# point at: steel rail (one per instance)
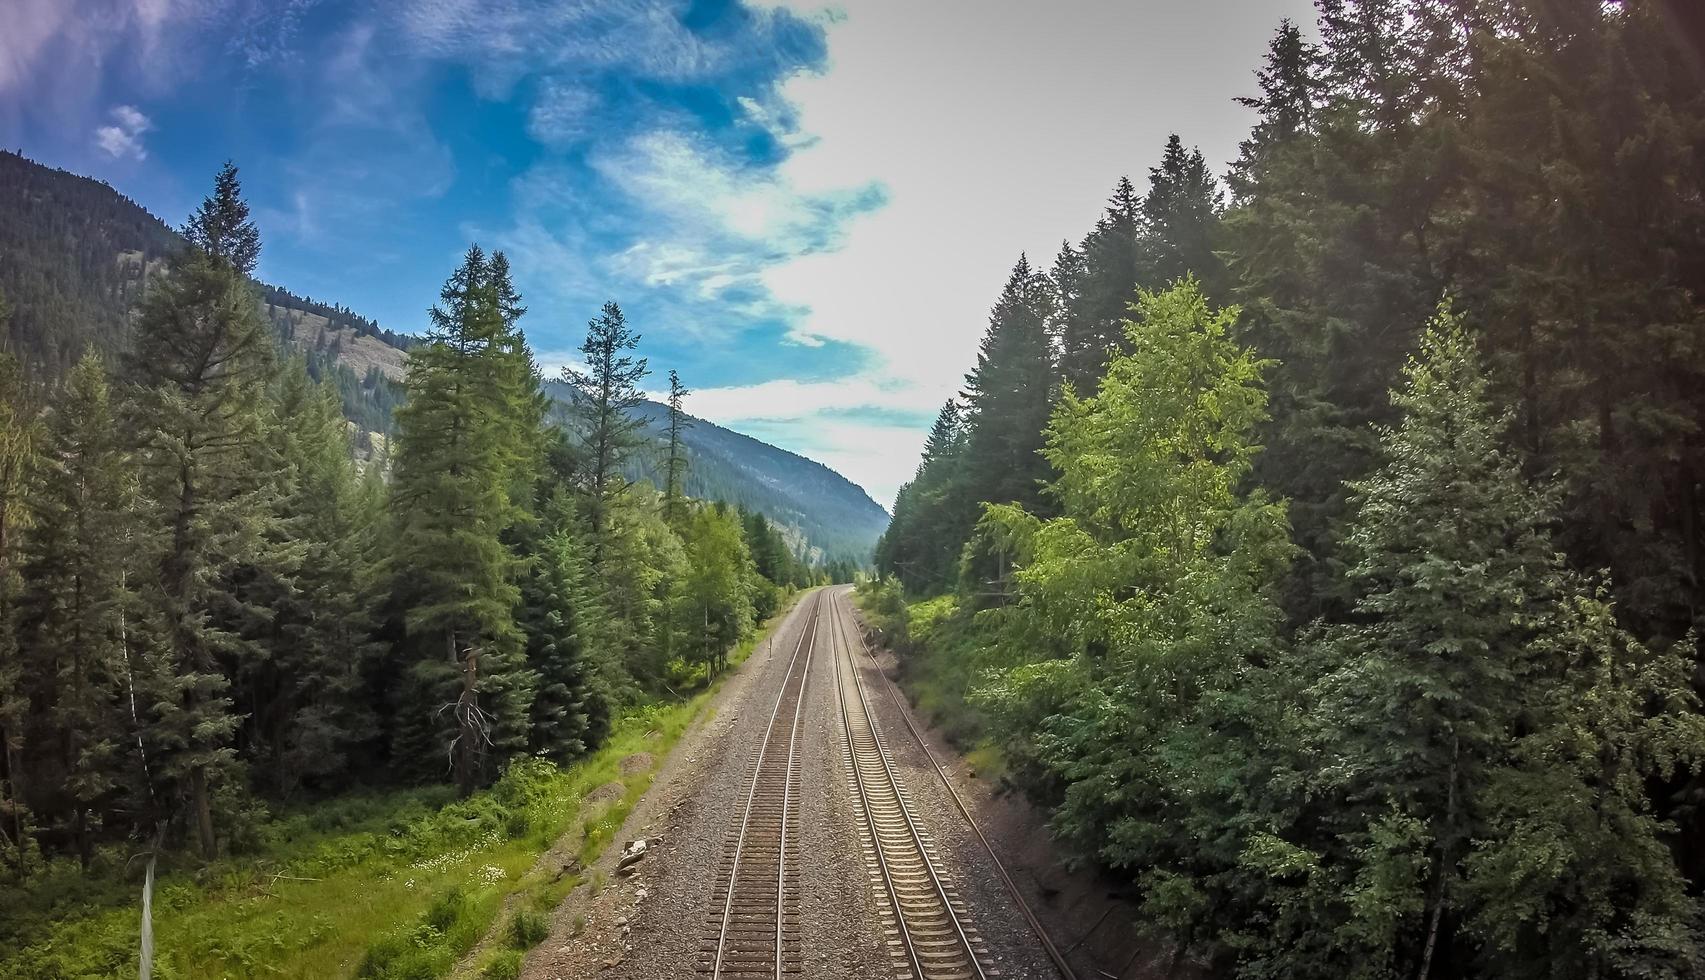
(1024, 909)
(904, 808)
(752, 795)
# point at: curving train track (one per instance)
(754, 928)
(929, 935)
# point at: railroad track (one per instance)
(929, 937)
(754, 918)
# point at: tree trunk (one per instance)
(467, 729)
(85, 847)
(1443, 869)
(203, 813)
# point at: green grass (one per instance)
(941, 655)
(397, 886)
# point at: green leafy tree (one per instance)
(1144, 612)
(715, 605)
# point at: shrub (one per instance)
(527, 929)
(506, 966)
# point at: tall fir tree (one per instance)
(1493, 731)
(1181, 220)
(675, 464)
(571, 709)
(77, 564)
(1010, 392)
(1092, 325)
(470, 687)
(1287, 107)
(932, 513)
(197, 374)
(606, 392)
(20, 435)
(309, 708)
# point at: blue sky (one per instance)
(806, 210)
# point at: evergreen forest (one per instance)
(1323, 542)
(212, 607)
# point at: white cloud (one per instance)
(123, 137)
(503, 41)
(704, 193)
(561, 114)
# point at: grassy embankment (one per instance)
(396, 885)
(941, 656)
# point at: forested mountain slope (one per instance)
(808, 500)
(73, 252)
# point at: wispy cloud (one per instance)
(562, 113)
(502, 41)
(123, 136)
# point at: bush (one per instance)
(449, 909)
(507, 966)
(527, 929)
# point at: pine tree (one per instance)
(1092, 327)
(946, 434)
(1288, 106)
(1010, 393)
(1180, 220)
(1329, 257)
(454, 466)
(198, 371)
(20, 434)
(78, 557)
(675, 467)
(606, 392)
(933, 514)
(220, 228)
(571, 712)
(309, 707)
(1491, 728)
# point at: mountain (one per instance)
(822, 513)
(831, 512)
(75, 255)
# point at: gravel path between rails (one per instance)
(654, 923)
(651, 925)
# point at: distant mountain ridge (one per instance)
(816, 507)
(74, 258)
